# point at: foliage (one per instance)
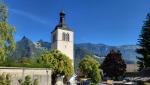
(79, 55)
(35, 82)
(114, 66)
(7, 43)
(5, 79)
(92, 84)
(144, 43)
(63, 64)
(3, 11)
(28, 81)
(89, 68)
(22, 62)
(60, 63)
(47, 59)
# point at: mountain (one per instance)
(43, 44)
(27, 48)
(96, 49)
(101, 50)
(80, 53)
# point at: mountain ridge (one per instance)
(27, 48)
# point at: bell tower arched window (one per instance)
(65, 36)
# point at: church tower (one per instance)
(62, 38)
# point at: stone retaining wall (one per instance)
(43, 75)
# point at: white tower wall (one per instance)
(63, 38)
(66, 47)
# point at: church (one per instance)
(62, 38)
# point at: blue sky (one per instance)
(112, 22)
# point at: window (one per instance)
(65, 36)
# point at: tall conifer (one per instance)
(144, 43)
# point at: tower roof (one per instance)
(61, 24)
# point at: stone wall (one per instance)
(132, 68)
(43, 75)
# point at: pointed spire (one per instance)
(62, 24)
(62, 17)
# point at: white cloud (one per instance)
(28, 15)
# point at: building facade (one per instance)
(62, 38)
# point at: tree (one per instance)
(63, 66)
(89, 68)
(25, 62)
(60, 63)
(7, 43)
(47, 60)
(113, 65)
(144, 43)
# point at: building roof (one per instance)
(61, 24)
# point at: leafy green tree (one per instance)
(63, 66)
(24, 61)
(79, 55)
(113, 65)
(47, 60)
(60, 63)
(89, 68)
(7, 43)
(144, 43)
(3, 11)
